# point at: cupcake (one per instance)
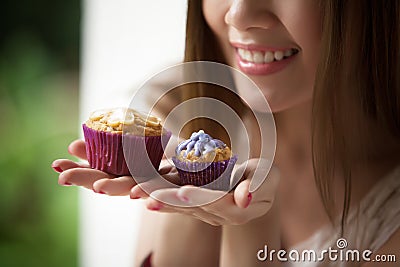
(116, 136)
(204, 161)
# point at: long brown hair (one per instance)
(357, 88)
(201, 45)
(357, 81)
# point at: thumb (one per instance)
(260, 182)
(266, 191)
(241, 195)
(78, 149)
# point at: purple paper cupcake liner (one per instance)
(214, 175)
(105, 151)
(143, 154)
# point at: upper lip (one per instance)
(260, 47)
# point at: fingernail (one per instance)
(156, 207)
(249, 198)
(57, 169)
(134, 197)
(99, 192)
(67, 184)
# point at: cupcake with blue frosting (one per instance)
(204, 161)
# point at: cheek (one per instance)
(214, 13)
(305, 28)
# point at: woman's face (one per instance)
(275, 42)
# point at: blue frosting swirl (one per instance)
(201, 143)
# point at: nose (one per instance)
(246, 14)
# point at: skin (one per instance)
(197, 225)
(287, 208)
(282, 24)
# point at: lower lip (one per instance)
(252, 68)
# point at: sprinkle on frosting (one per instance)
(202, 147)
(128, 120)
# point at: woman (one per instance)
(329, 72)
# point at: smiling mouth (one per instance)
(265, 57)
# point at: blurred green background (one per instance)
(39, 65)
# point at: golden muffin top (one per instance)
(126, 120)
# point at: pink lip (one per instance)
(252, 68)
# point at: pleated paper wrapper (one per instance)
(105, 152)
(211, 175)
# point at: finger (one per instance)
(258, 172)
(156, 205)
(145, 188)
(119, 186)
(219, 212)
(218, 205)
(269, 187)
(82, 177)
(165, 169)
(238, 173)
(61, 165)
(263, 178)
(78, 149)
(169, 198)
(242, 196)
(226, 209)
(238, 216)
(137, 192)
(172, 176)
(164, 164)
(197, 196)
(196, 212)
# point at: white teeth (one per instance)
(288, 53)
(260, 57)
(278, 55)
(248, 56)
(269, 57)
(241, 52)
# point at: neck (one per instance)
(293, 128)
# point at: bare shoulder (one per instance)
(388, 255)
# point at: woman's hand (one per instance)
(80, 174)
(245, 203)
(251, 199)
